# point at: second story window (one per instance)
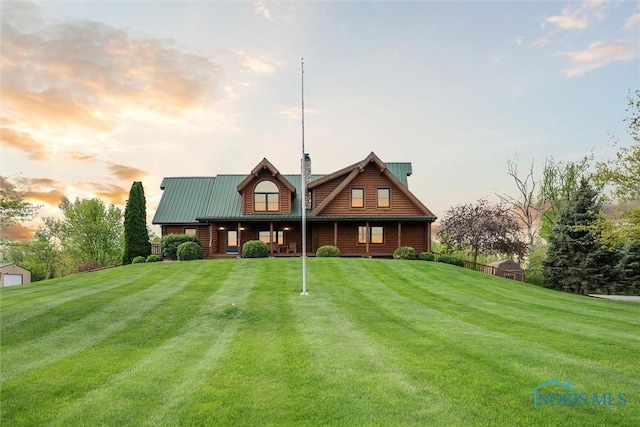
(357, 197)
(266, 197)
(384, 198)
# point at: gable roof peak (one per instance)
(372, 157)
(265, 164)
(351, 172)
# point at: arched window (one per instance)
(266, 197)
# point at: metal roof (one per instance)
(400, 171)
(189, 199)
(183, 199)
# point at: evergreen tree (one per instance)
(630, 269)
(576, 260)
(136, 235)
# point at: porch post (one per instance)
(239, 239)
(335, 233)
(399, 234)
(211, 249)
(367, 239)
(271, 237)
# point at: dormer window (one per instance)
(266, 197)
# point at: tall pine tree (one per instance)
(136, 235)
(576, 259)
(630, 269)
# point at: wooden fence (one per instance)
(488, 269)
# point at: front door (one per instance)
(232, 242)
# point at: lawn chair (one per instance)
(292, 247)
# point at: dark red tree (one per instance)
(482, 228)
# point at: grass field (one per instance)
(376, 342)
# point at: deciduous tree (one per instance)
(623, 172)
(13, 207)
(560, 182)
(481, 228)
(92, 231)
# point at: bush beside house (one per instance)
(328, 251)
(188, 251)
(255, 249)
(170, 243)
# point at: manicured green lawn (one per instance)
(377, 342)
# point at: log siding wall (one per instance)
(202, 232)
(370, 179)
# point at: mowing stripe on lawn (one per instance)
(377, 342)
(260, 375)
(52, 386)
(475, 344)
(388, 387)
(157, 385)
(85, 332)
(474, 312)
(43, 296)
(522, 295)
(474, 307)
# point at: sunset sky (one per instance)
(96, 95)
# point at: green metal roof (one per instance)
(400, 171)
(189, 199)
(183, 199)
(226, 201)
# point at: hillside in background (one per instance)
(377, 342)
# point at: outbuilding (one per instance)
(12, 274)
(507, 268)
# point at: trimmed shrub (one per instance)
(447, 259)
(255, 249)
(328, 251)
(138, 260)
(154, 258)
(188, 251)
(170, 243)
(404, 252)
(427, 256)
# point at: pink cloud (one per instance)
(127, 173)
(578, 16)
(599, 54)
(62, 76)
(633, 23)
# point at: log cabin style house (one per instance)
(363, 209)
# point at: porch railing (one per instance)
(155, 249)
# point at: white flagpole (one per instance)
(303, 199)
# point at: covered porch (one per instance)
(353, 237)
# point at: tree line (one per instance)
(89, 234)
(576, 228)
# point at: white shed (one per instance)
(12, 274)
